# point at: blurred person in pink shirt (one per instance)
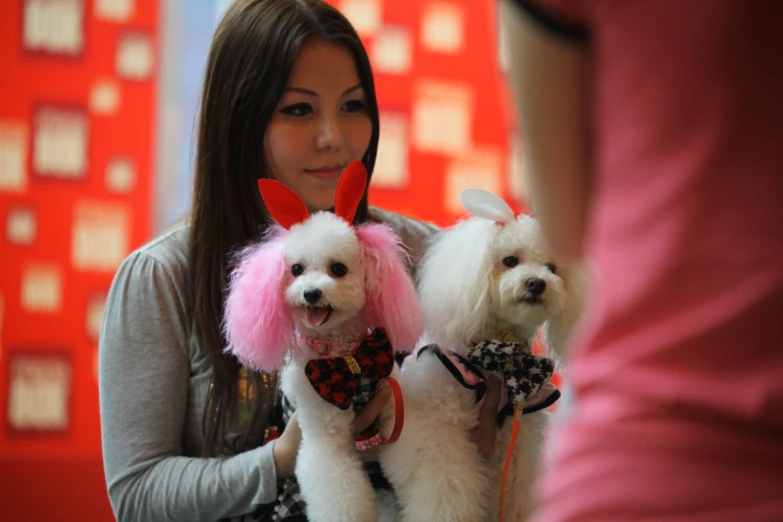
(654, 135)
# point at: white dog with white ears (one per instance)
(487, 286)
(329, 303)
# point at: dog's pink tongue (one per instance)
(316, 315)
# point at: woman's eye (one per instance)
(552, 268)
(339, 269)
(354, 106)
(297, 110)
(297, 270)
(511, 261)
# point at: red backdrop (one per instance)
(78, 107)
(77, 143)
(453, 62)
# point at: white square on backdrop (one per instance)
(101, 236)
(364, 15)
(39, 392)
(392, 51)
(120, 176)
(443, 27)
(60, 139)
(115, 10)
(42, 288)
(21, 226)
(391, 166)
(94, 315)
(54, 26)
(135, 57)
(442, 116)
(105, 98)
(13, 157)
(479, 168)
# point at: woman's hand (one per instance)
(484, 433)
(370, 412)
(286, 448)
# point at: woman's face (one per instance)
(320, 125)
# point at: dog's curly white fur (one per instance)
(475, 282)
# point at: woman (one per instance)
(289, 95)
(654, 139)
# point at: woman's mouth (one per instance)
(318, 315)
(327, 172)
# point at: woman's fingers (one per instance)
(370, 412)
(286, 448)
(292, 430)
(484, 433)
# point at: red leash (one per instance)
(399, 419)
(399, 411)
(514, 434)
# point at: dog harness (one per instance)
(526, 376)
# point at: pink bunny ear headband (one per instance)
(287, 208)
(484, 204)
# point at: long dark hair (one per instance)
(249, 62)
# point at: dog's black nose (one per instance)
(312, 295)
(535, 286)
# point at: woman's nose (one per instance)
(329, 134)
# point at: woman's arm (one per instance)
(549, 76)
(144, 372)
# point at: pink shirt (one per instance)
(678, 374)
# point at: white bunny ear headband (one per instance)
(484, 204)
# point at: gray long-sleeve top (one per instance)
(154, 377)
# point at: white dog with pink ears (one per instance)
(327, 303)
(487, 286)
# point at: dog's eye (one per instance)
(339, 269)
(297, 270)
(511, 261)
(552, 268)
